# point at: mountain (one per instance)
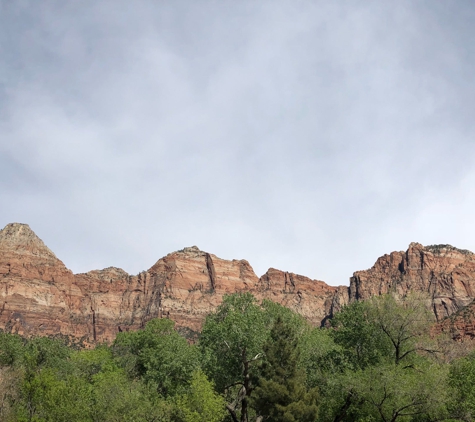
(40, 296)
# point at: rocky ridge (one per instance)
(446, 274)
(40, 296)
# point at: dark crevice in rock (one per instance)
(211, 272)
(94, 335)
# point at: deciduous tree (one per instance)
(231, 343)
(159, 355)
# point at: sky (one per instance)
(308, 136)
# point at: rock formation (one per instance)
(460, 325)
(446, 274)
(40, 296)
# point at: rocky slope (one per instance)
(39, 295)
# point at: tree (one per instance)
(95, 389)
(392, 393)
(43, 361)
(231, 343)
(116, 398)
(383, 367)
(11, 349)
(89, 362)
(462, 384)
(9, 391)
(50, 396)
(159, 355)
(362, 343)
(383, 329)
(200, 403)
(273, 311)
(405, 324)
(280, 394)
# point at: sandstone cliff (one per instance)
(39, 295)
(446, 274)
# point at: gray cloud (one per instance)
(307, 136)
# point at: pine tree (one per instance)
(281, 394)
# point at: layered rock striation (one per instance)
(444, 273)
(40, 296)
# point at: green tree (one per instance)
(40, 357)
(45, 352)
(200, 403)
(383, 366)
(394, 393)
(158, 355)
(462, 384)
(11, 349)
(405, 324)
(280, 394)
(315, 346)
(383, 329)
(274, 311)
(116, 399)
(57, 384)
(231, 342)
(89, 362)
(51, 397)
(9, 392)
(362, 343)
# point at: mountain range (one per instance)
(39, 295)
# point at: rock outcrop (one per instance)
(460, 325)
(310, 298)
(40, 296)
(446, 274)
(36, 289)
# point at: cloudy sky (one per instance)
(309, 136)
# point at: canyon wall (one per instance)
(40, 296)
(446, 274)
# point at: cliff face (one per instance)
(310, 298)
(445, 273)
(189, 283)
(40, 296)
(37, 291)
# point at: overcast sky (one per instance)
(309, 136)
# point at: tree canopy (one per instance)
(253, 362)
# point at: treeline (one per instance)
(253, 362)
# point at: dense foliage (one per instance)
(253, 362)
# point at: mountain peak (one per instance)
(191, 251)
(20, 237)
(439, 249)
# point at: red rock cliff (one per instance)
(445, 273)
(39, 295)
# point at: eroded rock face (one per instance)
(445, 273)
(40, 296)
(460, 325)
(310, 298)
(192, 282)
(36, 289)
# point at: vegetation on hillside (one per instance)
(252, 362)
